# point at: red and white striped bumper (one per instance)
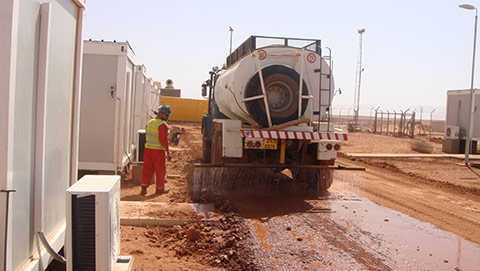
(294, 135)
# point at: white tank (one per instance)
(282, 69)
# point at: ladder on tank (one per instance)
(324, 104)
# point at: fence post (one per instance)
(381, 121)
(430, 134)
(371, 120)
(394, 121)
(388, 121)
(400, 126)
(375, 123)
(412, 129)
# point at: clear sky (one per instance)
(414, 51)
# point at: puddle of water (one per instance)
(410, 243)
(347, 232)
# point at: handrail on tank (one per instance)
(250, 44)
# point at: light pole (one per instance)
(472, 97)
(358, 80)
(231, 34)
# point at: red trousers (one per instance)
(154, 161)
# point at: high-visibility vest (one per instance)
(153, 141)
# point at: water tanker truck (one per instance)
(269, 108)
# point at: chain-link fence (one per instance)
(399, 123)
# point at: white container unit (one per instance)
(458, 114)
(145, 101)
(153, 97)
(140, 109)
(106, 141)
(40, 71)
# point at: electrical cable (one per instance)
(49, 249)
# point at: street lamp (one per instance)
(472, 102)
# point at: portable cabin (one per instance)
(145, 100)
(40, 71)
(457, 121)
(106, 118)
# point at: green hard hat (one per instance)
(165, 109)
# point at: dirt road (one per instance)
(449, 207)
(374, 220)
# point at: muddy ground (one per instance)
(361, 225)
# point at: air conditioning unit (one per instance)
(93, 223)
(452, 132)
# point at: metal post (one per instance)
(358, 80)
(381, 121)
(412, 128)
(430, 134)
(394, 121)
(388, 121)
(403, 122)
(400, 125)
(371, 121)
(472, 97)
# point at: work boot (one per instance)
(162, 191)
(144, 191)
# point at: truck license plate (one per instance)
(269, 144)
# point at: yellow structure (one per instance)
(184, 109)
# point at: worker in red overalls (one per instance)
(155, 148)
